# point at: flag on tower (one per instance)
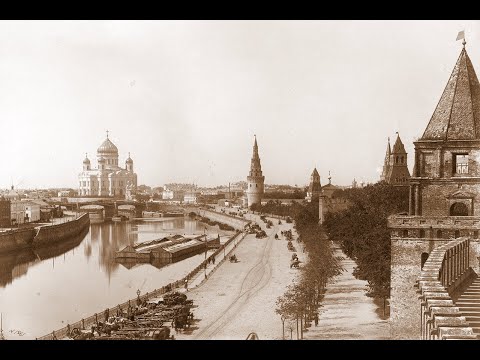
(461, 35)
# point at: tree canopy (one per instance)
(363, 233)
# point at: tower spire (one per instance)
(107, 134)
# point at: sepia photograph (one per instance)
(240, 180)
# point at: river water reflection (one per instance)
(45, 290)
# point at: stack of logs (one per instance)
(145, 321)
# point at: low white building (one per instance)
(190, 197)
(32, 211)
(175, 195)
(167, 194)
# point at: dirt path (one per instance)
(347, 313)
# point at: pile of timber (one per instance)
(148, 320)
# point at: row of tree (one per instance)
(363, 233)
(294, 209)
(296, 194)
(302, 299)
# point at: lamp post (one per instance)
(205, 267)
(283, 327)
(138, 297)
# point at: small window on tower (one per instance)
(461, 163)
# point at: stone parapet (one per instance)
(440, 318)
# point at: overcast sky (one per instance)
(186, 97)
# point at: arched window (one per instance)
(439, 234)
(424, 258)
(405, 233)
(401, 159)
(396, 160)
(457, 234)
(475, 234)
(458, 209)
(422, 233)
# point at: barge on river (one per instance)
(168, 249)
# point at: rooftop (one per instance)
(457, 115)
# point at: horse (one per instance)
(295, 263)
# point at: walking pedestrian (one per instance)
(316, 319)
(186, 284)
(106, 314)
(213, 260)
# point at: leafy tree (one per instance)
(363, 233)
(302, 299)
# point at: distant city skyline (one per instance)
(185, 98)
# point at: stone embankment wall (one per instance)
(53, 233)
(17, 239)
(20, 239)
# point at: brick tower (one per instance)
(255, 179)
(315, 188)
(395, 168)
(444, 198)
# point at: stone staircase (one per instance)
(469, 305)
(445, 274)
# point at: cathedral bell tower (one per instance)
(86, 163)
(129, 164)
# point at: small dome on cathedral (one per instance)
(129, 159)
(107, 147)
(86, 160)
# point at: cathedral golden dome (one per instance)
(107, 147)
